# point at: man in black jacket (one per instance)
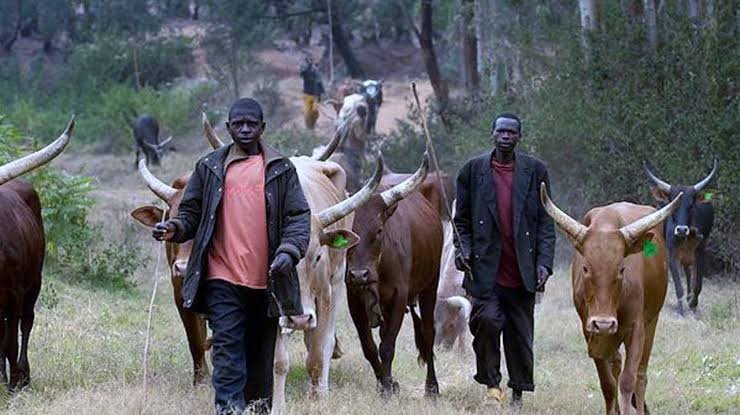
(506, 250)
(246, 210)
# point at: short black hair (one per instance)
(509, 115)
(247, 105)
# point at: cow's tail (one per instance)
(418, 336)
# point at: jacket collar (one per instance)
(218, 160)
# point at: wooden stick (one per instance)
(149, 319)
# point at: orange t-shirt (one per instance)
(239, 249)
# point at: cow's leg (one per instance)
(320, 344)
(634, 343)
(427, 302)
(608, 385)
(280, 373)
(27, 316)
(11, 349)
(359, 318)
(3, 332)
(698, 275)
(677, 283)
(641, 385)
(196, 333)
(393, 318)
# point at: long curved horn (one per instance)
(165, 142)
(345, 207)
(211, 136)
(700, 186)
(333, 144)
(635, 229)
(162, 190)
(574, 229)
(35, 160)
(660, 183)
(408, 186)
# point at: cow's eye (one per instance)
(621, 273)
(318, 258)
(585, 270)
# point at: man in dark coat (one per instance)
(506, 251)
(246, 210)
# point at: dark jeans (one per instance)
(243, 346)
(509, 311)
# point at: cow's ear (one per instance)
(339, 239)
(706, 196)
(645, 244)
(147, 215)
(660, 195)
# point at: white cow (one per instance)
(453, 309)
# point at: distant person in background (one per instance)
(312, 91)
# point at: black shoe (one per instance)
(516, 400)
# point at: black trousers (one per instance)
(243, 347)
(509, 311)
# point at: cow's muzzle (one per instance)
(602, 325)
(179, 268)
(681, 231)
(304, 321)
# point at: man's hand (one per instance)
(281, 265)
(164, 231)
(542, 275)
(462, 264)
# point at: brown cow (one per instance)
(619, 286)
(22, 251)
(177, 258)
(395, 264)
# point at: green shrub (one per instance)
(110, 59)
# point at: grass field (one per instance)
(86, 346)
(86, 358)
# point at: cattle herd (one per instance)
(387, 247)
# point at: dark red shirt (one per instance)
(508, 270)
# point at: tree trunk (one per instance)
(345, 49)
(589, 23)
(430, 58)
(8, 38)
(650, 22)
(470, 46)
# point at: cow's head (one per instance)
(363, 260)
(372, 89)
(353, 116)
(148, 215)
(155, 151)
(682, 218)
(329, 242)
(604, 249)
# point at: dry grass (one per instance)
(86, 346)
(86, 358)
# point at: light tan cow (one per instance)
(619, 285)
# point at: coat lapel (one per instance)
(486, 185)
(520, 186)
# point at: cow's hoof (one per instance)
(432, 391)
(396, 388)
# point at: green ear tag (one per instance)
(649, 249)
(708, 195)
(339, 241)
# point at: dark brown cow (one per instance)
(687, 231)
(177, 258)
(619, 286)
(22, 251)
(395, 264)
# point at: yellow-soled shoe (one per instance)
(496, 395)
